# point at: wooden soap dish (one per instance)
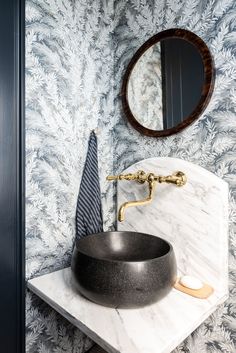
(202, 293)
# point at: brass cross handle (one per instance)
(177, 178)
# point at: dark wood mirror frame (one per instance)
(209, 73)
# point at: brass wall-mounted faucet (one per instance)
(178, 178)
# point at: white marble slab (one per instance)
(194, 218)
(157, 328)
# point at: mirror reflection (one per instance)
(166, 84)
(145, 89)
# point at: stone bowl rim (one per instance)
(171, 249)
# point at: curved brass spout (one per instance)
(121, 213)
(178, 178)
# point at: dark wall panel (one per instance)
(11, 177)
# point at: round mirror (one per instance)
(168, 83)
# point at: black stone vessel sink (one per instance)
(123, 269)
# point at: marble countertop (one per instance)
(157, 328)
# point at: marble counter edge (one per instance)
(207, 313)
(219, 299)
(73, 320)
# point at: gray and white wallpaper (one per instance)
(76, 54)
(69, 75)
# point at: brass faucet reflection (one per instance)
(177, 178)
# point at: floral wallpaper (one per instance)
(76, 55)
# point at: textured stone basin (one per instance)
(123, 269)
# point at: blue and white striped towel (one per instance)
(89, 208)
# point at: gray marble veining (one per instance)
(194, 218)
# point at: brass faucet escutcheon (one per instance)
(177, 178)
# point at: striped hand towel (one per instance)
(89, 209)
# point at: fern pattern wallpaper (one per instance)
(76, 55)
(69, 75)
